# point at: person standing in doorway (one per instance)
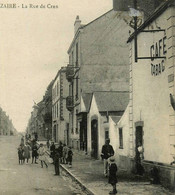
(107, 151)
(139, 158)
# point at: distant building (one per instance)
(40, 121)
(60, 115)
(6, 125)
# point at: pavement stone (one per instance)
(89, 173)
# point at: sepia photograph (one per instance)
(87, 97)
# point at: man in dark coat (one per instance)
(57, 162)
(60, 149)
(107, 151)
(52, 151)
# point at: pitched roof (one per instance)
(116, 118)
(111, 100)
(87, 100)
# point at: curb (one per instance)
(80, 183)
(83, 186)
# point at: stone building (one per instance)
(104, 105)
(60, 116)
(98, 61)
(151, 111)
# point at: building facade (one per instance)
(104, 105)
(6, 125)
(152, 93)
(60, 115)
(98, 61)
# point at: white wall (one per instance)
(150, 97)
(114, 135)
(93, 112)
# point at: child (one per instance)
(20, 154)
(69, 157)
(42, 157)
(65, 150)
(112, 174)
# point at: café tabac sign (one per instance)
(158, 52)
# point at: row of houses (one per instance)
(6, 124)
(119, 84)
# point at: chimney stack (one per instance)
(77, 24)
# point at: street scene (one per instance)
(87, 101)
(28, 179)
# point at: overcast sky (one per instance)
(33, 46)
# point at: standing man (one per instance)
(52, 150)
(107, 151)
(57, 162)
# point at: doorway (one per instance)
(138, 142)
(94, 138)
(54, 133)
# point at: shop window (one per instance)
(121, 138)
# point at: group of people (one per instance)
(61, 154)
(30, 146)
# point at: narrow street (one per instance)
(27, 179)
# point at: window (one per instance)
(57, 110)
(72, 122)
(106, 133)
(76, 88)
(77, 54)
(72, 58)
(76, 121)
(121, 138)
(57, 88)
(71, 89)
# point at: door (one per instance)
(54, 133)
(94, 138)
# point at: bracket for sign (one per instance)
(158, 30)
(151, 58)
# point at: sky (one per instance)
(33, 47)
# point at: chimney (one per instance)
(77, 24)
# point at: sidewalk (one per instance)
(89, 173)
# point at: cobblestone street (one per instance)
(28, 179)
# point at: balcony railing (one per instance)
(70, 103)
(69, 72)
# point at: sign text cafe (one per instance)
(158, 51)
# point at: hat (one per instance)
(112, 158)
